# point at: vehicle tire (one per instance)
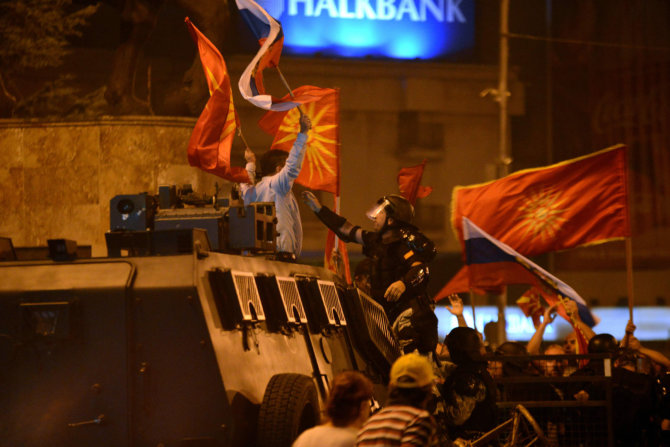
(290, 406)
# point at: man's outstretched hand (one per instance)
(305, 123)
(249, 156)
(394, 291)
(310, 200)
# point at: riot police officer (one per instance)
(399, 255)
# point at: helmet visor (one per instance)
(377, 208)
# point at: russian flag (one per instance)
(270, 36)
(493, 263)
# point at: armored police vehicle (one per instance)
(189, 333)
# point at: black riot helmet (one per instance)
(603, 344)
(395, 206)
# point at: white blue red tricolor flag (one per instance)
(492, 263)
(270, 36)
(269, 33)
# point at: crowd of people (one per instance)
(471, 387)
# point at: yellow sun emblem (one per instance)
(541, 214)
(319, 147)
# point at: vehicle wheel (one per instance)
(290, 406)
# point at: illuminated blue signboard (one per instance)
(399, 29)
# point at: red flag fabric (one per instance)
(577, 202)
(320, 169)
(213, 134)
(337, 261)
(582, 345)
(460, 283)
(530, 304)
(409, 183)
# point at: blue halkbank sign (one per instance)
(399, 29)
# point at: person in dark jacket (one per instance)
(469, 391)
(632, 393)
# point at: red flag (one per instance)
(320, 169)
(460, 283)
(213, 134)
(409, 183)
(530, 304)
(576, 202)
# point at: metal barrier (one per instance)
(550, 399)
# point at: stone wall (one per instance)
(56, 179)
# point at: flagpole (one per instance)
(505, 158)
(288, 87)
(337, 211)
(472, 303)
(629, 277)
(244, 140)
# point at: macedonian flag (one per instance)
(409, 183)
(576, 202)
(213, 134)
(320, 169)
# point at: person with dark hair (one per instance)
(347, 407)
(469, 391)
(399, 255)
(279, 170)
(404, 421)
(632, 392)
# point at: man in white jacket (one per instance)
(279, 170)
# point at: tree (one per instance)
(34, 35)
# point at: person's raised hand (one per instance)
(455, 305)
(550, 313)
(394, 291)
(634, 343)
(311, 201)
(249, 156)
(305, 123)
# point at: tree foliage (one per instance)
(34, 35)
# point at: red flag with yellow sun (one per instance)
(213, 134)
(576, 202)
(320, 169)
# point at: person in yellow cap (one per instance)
(404, 421)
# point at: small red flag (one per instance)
(530, 305)
(213, 134)
(409, 183)
(460, 283)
